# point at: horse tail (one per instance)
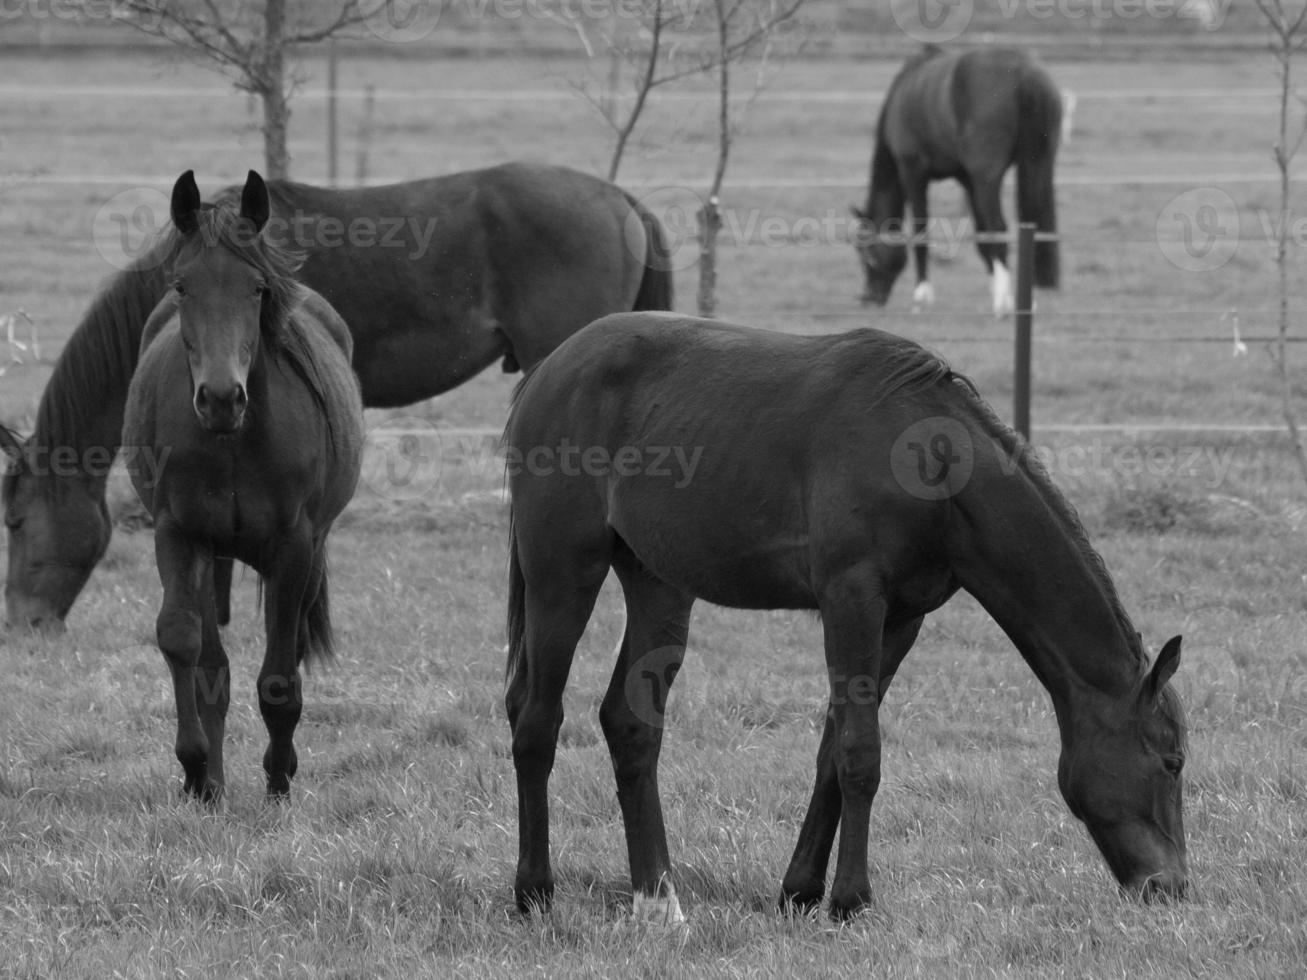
(656, 291)
(319, 641)
(1039, 128)
(515, 668)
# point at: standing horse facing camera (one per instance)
(854, 475)
(245, 396)
(968, 116)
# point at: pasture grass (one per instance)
(396, 855)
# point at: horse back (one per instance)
(740, 465)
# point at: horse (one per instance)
(968, 116)
(852, 474)
(437, 279)
(244, 390)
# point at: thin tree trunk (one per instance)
(710, 215)
(272, 81)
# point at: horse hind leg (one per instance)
(987, 208)
(632, 716)
(556, 600)
(804, 884)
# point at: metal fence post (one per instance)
(1024, 323)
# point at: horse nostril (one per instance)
(201, 397)
(240, 399)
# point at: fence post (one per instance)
(1024, 323)
(332, 141)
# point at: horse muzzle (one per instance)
(221, 411)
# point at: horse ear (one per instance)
(255, 206)
(185, 203)
(1163, 668)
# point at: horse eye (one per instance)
(1173, 764)
(260, 289)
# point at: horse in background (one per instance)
(968, 116)
(437, 279)
(245, 392)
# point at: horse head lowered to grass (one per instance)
(852, 474)
(244, 390)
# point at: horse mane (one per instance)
(1029, 463)
(101, 353)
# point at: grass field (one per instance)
(397, 853)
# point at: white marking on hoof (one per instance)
(924, 294)
(658, 911)
(1000, 288)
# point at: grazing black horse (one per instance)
(245, 392)
(854, 475)
(437, 279)
(968, 116)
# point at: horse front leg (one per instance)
(853, 614)
(290, 568)
(805, 878)
(179, 632)
(212, 680)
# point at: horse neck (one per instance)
(82, 405)
(1025, 558)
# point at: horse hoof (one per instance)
(534, 900)
(804, 902)
(844, 907)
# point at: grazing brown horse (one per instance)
(437, 279)
(854, 475)
(967, 116)
(245, 392)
